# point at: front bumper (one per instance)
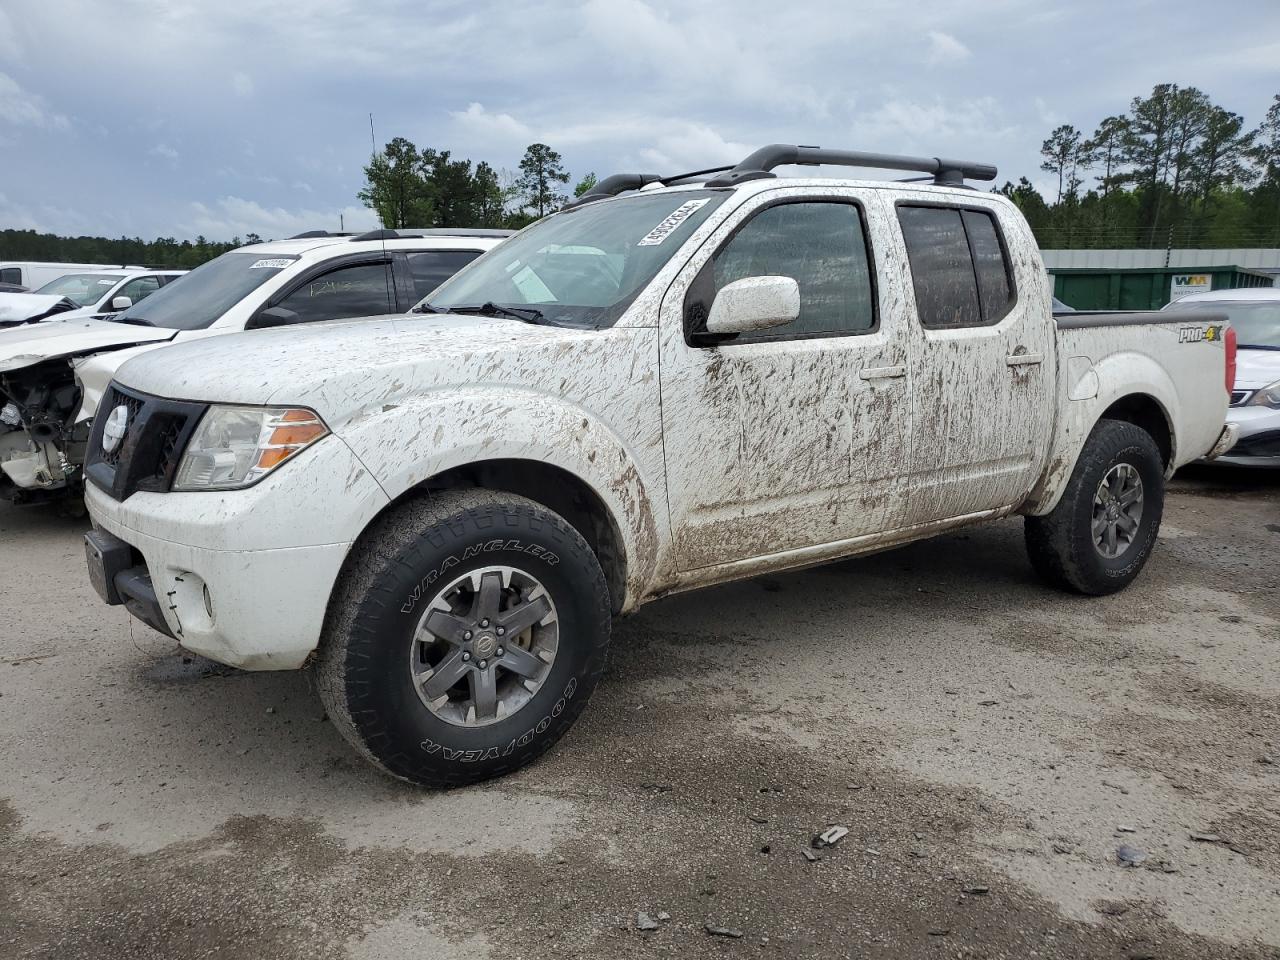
(241, 577)
(1257, 438)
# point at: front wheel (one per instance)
(1099, 536)
(465, 637)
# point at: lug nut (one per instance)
(499, 652)
(483, 664)
(501, 631)
(467, 635)
(484, 623)
(465, 656)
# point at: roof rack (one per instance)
(408, 233)
(946, 173)
(312, 234)
(759, 165)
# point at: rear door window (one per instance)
(430, 268)
(959, 268)
(360, 290)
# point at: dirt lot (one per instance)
(988, 743)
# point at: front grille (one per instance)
(1240, 397)
(112, 399)
(145, 458)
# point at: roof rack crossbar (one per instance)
(760, 164)
(613, 185)
(618, 183)
(312, 234)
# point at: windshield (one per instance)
(583, 267)
(195, 300)
(1257, 323)
(85, 289)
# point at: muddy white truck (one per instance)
(673, 383)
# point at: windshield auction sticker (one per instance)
(668, 226)
(269, 264)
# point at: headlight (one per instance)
(236, 446)
(1268, 396)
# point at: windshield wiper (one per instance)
(1258, 346)
(135, 321)
(491, 309)
(428, 308)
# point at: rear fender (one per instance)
(1099, 386)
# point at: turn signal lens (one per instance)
(299, 434)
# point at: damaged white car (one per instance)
(53, 373)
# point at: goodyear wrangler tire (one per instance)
(1100, 535)
(464, 638)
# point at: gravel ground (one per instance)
(988, 743)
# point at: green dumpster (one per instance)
(1147, 288)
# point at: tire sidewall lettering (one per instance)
(492, 753)
(423, 588)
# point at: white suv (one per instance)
(52, 375)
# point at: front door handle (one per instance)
(882, 373)
(1024, 359)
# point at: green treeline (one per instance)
(1176, 170)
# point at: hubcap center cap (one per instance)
(485, 644)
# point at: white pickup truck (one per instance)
(670, 384)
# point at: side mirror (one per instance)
(271, 317)
(754, 303)
(121, 303)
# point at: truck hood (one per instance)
(1257, 368)
(23, 308)
(25, 345)
(342, 368)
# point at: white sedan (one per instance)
(1254, 314)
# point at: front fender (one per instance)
(404, 444)
(1097, 387)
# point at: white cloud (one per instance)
(165, 151)
(945, 49)
(9, 47)
(44, 217)
(932, 125)
(236, 216)
(22, 108)
(242, 84)
(692, 52)
(476, 119)
(303, 186)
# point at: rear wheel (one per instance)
(466, 637)
(1099, 536)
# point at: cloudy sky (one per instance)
(178, 118)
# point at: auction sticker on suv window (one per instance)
(668, 226)
(270, 264)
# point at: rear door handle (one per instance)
(882, 373)
(1024, 359)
